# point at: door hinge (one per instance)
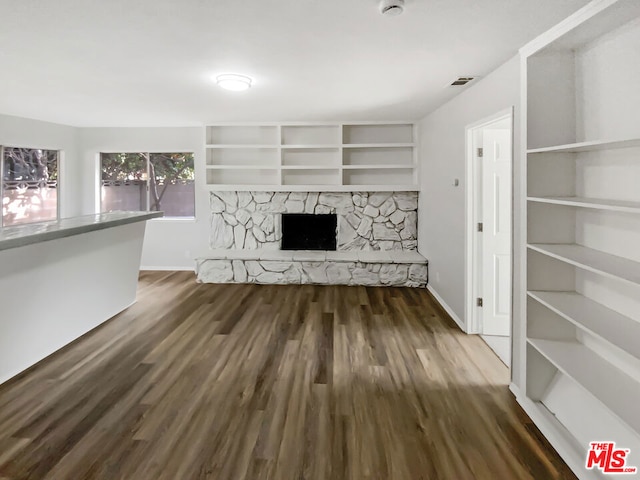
(480, 152)
(480, 226)
(478, 302)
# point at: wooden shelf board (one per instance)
(378, 167)
(588, 146)
(615, 389)
(378, 145)
(595, 318)
(592, 260)
(313, 188)
(595, 203)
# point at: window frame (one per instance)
(59, 182)
(147, 153)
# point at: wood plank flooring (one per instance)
(202, 381)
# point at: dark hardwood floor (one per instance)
(240, 382)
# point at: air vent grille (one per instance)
(461, 81)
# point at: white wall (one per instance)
(168, 243)
(24, 132)
(607, 103)
(441, 222)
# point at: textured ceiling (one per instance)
(150, 62)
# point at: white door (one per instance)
(496, 232)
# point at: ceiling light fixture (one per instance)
(391, 8)
(234, 82)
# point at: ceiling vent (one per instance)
(391, 8)
(458, 82)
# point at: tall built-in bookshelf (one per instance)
(580, 305)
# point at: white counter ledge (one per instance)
(59, 280)
(21, 235)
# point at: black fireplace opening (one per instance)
(305, 231)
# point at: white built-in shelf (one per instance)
(376, 167)
(299, 156)
(595, 203)
(593, 317)
(581, 136)
(245, 146)
(592, 260)
(615, 389)
(320, 146)
(242, 167)
(311, 167)
(378, 145)
(238, 187)
(590, 146)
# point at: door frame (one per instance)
(472, 251)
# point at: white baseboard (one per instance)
(167, 268)
(501, 346)
(447, 308)
(557, 435)
(515, 390)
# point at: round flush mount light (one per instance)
(391, 8)
(234, 82)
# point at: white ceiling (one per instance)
(150, 62)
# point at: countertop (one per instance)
(21, 235)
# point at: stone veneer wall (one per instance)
(366, 221)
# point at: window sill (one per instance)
(174, 219)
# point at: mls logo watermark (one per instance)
(608, 458)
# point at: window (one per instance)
(29, 185)
(148, 181)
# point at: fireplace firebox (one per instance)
(305, 231)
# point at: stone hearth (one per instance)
(395, 268)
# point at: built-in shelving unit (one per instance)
(579, 304)
(326, 157)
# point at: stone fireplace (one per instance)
(366, 221)
(374, 239)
